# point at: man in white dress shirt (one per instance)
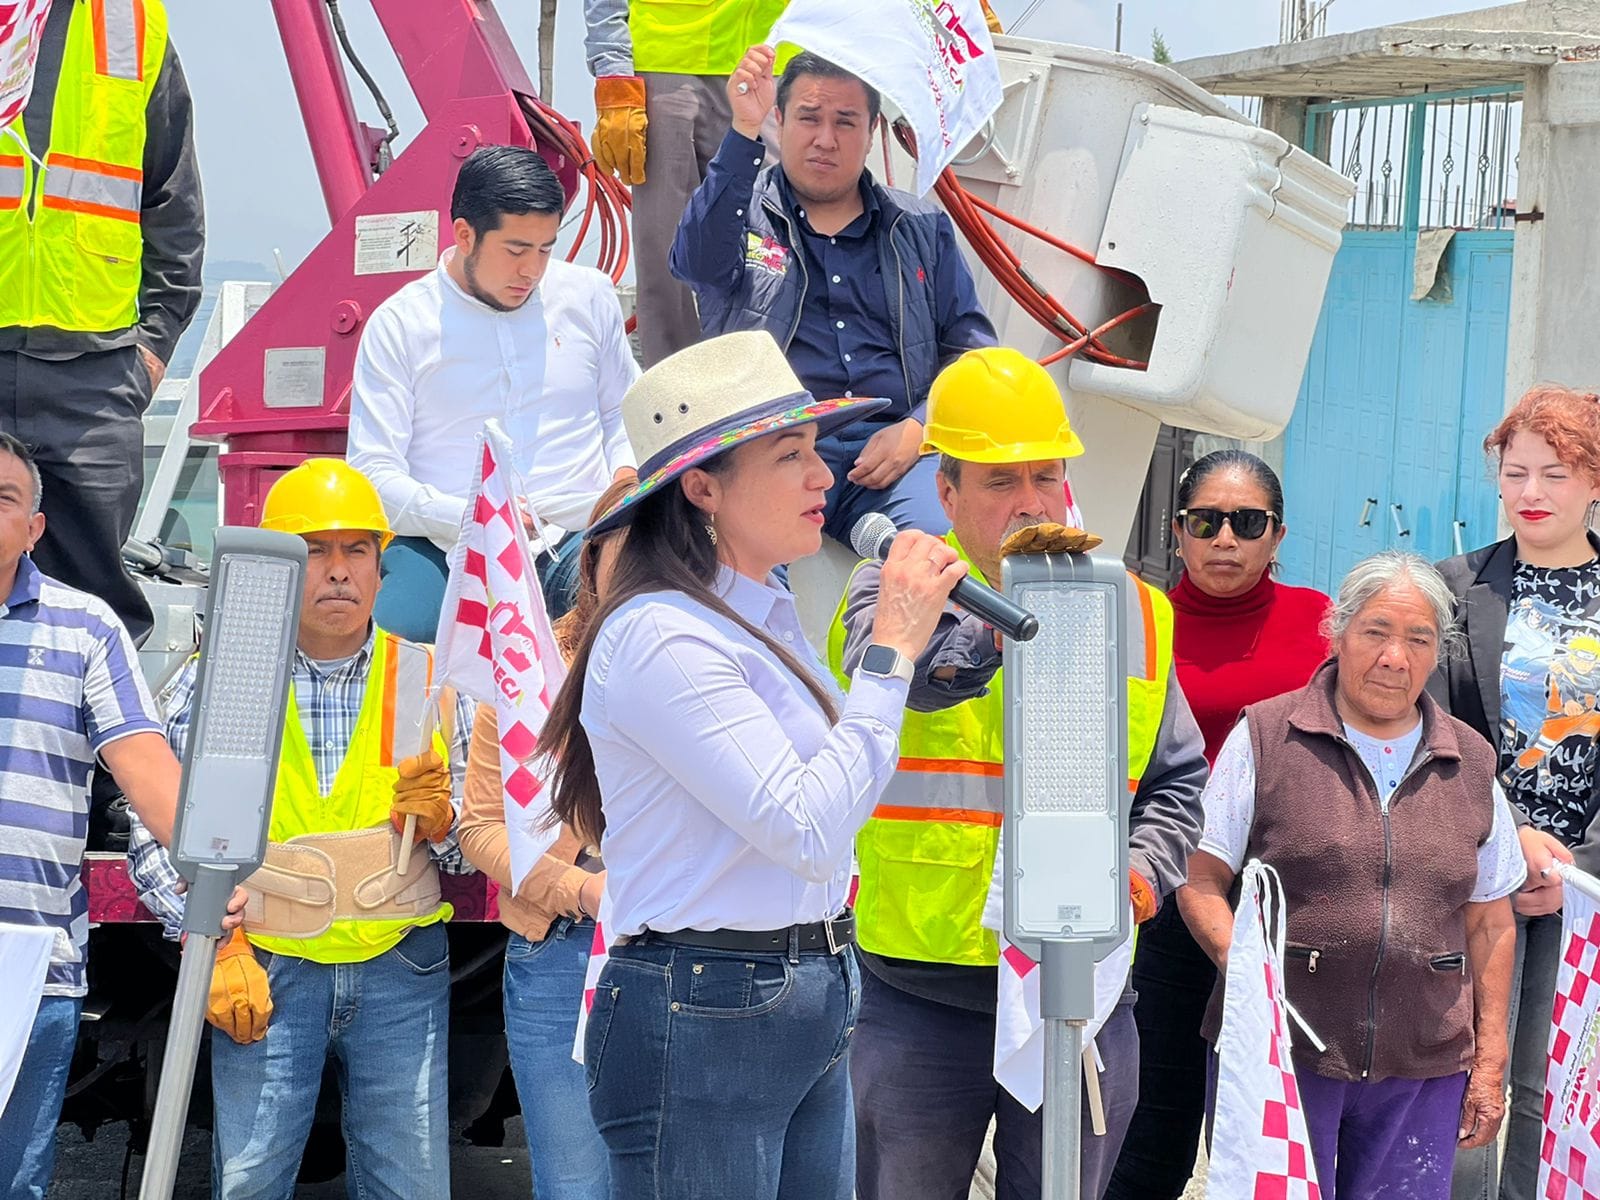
(500, 329)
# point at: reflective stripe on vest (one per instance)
(926, 855)
(80, 185)
(70, 247)
(119, 27)
(13, 180)
(361, 796)
(933, 789)
(699, 37)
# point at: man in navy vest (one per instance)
(862, 286)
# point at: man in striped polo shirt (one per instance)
(70, 690)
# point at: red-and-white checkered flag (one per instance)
(21, 23)
(1260, 1147)
(1569, 1156)
(496, 644)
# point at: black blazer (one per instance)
(1469, 687)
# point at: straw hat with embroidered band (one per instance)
(707, 399)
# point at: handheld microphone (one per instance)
(874, 533)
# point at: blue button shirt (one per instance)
(844, 344)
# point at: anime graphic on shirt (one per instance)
(1550, 699)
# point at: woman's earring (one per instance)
(711, 532)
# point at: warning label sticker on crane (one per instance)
(407, 241)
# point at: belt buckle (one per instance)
(827, 928)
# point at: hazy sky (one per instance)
(261, 188)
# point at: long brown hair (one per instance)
(569, 626)
(667, 551)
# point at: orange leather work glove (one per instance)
(619, 128)
(1145, 900)
(240, 1003)
(989, 19)
(423, 791)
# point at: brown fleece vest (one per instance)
(1376, 960)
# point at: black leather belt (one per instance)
(833, 936)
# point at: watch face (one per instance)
(880, 660)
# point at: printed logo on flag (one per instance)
(21, 25)
(496, 644)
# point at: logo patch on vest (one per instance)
(766, 254)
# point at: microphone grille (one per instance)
(867, 535)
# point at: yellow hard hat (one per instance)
(997, 405)
(322, 494)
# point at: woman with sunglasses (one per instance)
(551, 917)
(1239, 637)
(1528, 682)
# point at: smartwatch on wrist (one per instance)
(885, 662)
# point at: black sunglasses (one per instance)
(1206, 523)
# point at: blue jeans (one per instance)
(911, 502)
(415, 572)
(28, 1125)
(714, 1073)
(543, 989)
(386, 1022)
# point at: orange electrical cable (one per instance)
(971, 215)
(607, 203)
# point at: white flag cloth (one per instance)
(934, 59)
(21, 25)
(1569, 1160)
(599, 952)
(1259, 1142)
(496, 644)
(1019, 1030)
(24, 959)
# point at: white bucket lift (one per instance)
(1226, 226)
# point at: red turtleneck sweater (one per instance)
(1235, 651)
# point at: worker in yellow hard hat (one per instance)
(922, 1067)
(341, 954)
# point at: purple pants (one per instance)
(1394, 1140)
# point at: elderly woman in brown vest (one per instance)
(1397, 852)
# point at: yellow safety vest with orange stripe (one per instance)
(398, 679)
(926, 854)
(71, 253)
(699, 37)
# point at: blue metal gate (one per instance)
(1384, 449)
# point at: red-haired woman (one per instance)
(1529, 681)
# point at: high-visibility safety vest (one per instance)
(363, 791)
(926, 855)
(698, 37)
(71, 253)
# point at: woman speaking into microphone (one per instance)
(702, 743)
